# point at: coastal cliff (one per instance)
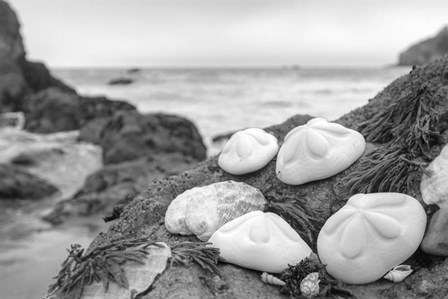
(426, 50)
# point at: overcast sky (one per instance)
(225, 32)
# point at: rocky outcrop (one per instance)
(117, 184)
(424, 87)
(18, 184)
(427, 50)
(53, 110)
(19, 77)
(129, 135)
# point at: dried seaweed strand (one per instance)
(328, 286)
(385, 170)
(103, 264)
(196, 252)
(411, 120)
(303, 220)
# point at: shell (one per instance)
(399, 273)
(248, 151)
(369, 235)
(260, 241)
(317, 150)
(309, 286)
(203, 210)
(434, 187)
(271, 279)
(140, 277)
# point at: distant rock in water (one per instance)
(134, 70)
(19, 184)
(427, 50)
(121, 81)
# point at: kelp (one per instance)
(409, 127)
(328, 286)
(411, 121)
(303, 220)
(196, 252)
(103, 264)
(385, 170)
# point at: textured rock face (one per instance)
(54, 110)
(144, 215)
(19, 184)
(18, 77)
(427, 50)
(129, 135)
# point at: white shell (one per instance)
(309, 286)
(260, 241)
(271, 279)
(398, 273)
(202, 210)
(369, 235)
(317, 150)
(434, 187)
(248, 151)
(140, 277)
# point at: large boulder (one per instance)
(53, 110)
(405, 126)
(426, 50)
(129, 135)
(18, 184)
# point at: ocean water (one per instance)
(225, 100)
(217, 100)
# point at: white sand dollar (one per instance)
(317, 150)
(248, 151)
(260, 241)
(370, 235)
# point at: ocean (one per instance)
(224, 100)
(217, 100)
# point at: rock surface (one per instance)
(426, 50)
(53, 110)
(19, 184)
(18, 77)
(129, 135)
(144, 215)
(117, 184)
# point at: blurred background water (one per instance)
(224, 100)
(217, 100)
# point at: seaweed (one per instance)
(301, 219)
(196, 252)
(385, 170)
(328, 286)
(411, 121)
(102, 264)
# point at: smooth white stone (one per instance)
(317, 150)
(248, 151)
(370, 235)
(260, 241)
(434, 187)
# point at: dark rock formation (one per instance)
(121, 81)
(53, 110)
(19, 184)
(427, 50)
(18, 77)
(319, 199)
(118, 184)
(129, 135)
